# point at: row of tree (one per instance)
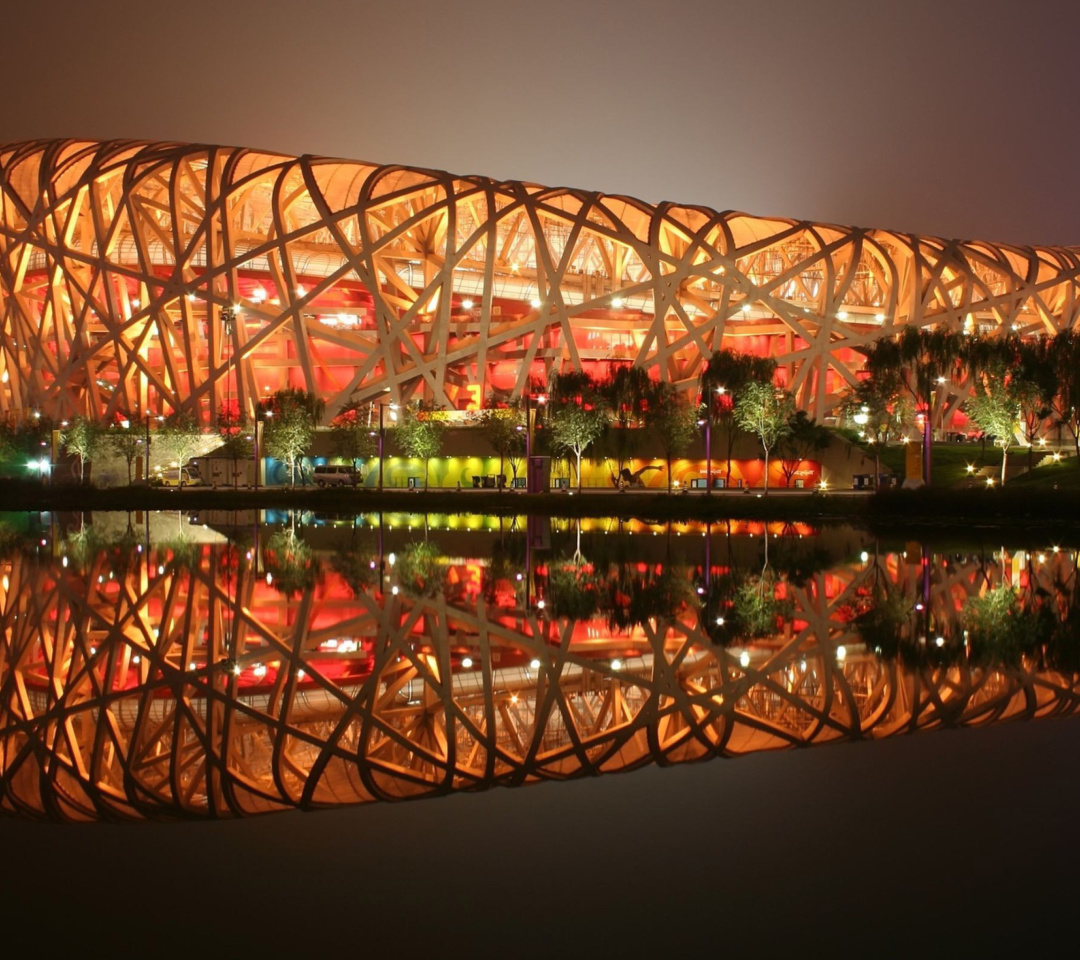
(615, 412)
(737, 394)
(1017, 386)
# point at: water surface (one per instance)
(159, 666)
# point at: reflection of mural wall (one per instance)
(355, 280)
(181, 683)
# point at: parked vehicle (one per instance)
(171, 478)
(330, 475)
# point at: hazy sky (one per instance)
(953, 117)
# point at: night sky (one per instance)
(951, 118)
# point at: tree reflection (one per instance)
(358, 564)
(1001, 630)
(291, 566)
(574, 588)
(419, 568)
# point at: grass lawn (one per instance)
(1065, 475)
(949, 461)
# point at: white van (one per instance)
(336, 475)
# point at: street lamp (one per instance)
(259, 421)
(541, 399)
(382, 434)
(228, 317)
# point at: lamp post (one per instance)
(147, 419)
(382, 440)
(541, 399)
(528, 442)
(259, 421)
(228, 317)
(382, 434)
(708, 447)
(146, 451)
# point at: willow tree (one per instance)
(628, 393)
(918, 362)
(675, 422)
(1063, 352)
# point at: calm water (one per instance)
(164, 666)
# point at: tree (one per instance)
(27, 439)
(764, 410)
(628, 393)
(1015, 386)
(419, 433)
(232, 426)
(352, 436)
(9, 440)
(722, 377)
(804, 438)
(180, 434)
(917, 362)
(877, 408)
(574, 588)
(125, 443)
(675, 422)
(575, 415)
(292, 567)
(996, 412)
(84, 438)
(291, 416)
(287, 435)
(1033, 381)
(505, 428)
(1063, 351)
(420, 568)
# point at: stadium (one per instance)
(140, 279)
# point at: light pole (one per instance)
(382, 439)
(528, 442)
(259, 421)
(708, 447)
(541, 399)
(228, 316)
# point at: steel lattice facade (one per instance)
(358, 281)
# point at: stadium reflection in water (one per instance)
(172, 668)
